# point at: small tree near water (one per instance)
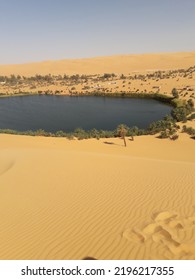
(122, 131)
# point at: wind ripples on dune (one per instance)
(105, 206)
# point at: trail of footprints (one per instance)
(166, 229)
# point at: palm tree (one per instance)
(122, 131)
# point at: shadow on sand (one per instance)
(112, 143)
(89, 258)
(109, 143)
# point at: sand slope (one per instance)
(99, 65)
(63, 199)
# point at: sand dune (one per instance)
(62, 199)
(130, 65)
(108, 64)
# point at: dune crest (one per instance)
(108, 64)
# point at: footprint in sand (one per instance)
(152, 228)
(165, 230)
(164, 217)
(165, 237)
(133, 235)
(176, 225)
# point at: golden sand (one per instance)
(130, 65)
(108, 64)
(62, 199)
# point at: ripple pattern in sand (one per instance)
(119, 208)
(168, 230)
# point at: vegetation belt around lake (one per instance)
(3, 95)
(175, 102)
(157, 96)
(182, 111)
(167, 127)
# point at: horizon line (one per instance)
(98, 56)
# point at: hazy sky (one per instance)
(36, 30)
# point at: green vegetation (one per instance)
(188, 130)
(122, 131)
(20, 93)
(182, 111)
(174, 137)
(191, 117)
(180, 114)
(176, 102)
(167, 127)
(168, 123)
(190, 103)
(108, 76)
(171, 134)
(175, 93)
(156, 96)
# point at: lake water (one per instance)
(53, 113)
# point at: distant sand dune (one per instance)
(108, 64)
(70, 199)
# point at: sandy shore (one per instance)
(62, 199)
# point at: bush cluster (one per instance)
(180, 113)
(188, 130)
(168, 123)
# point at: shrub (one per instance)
(188, 130)
(8, 131)
(133, 131)
(175, 93)
(60, 133)
(164, 134)
(69, 136)
(94, 133)
(190, 102)
(107, 76)
(176, 102)
(174, 137)
(180, 113)
(172, 131)
(167, 123)
(106, 134)
(41, 132)
(80, 134)
(191, 117)
(122, 77)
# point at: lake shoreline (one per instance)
(94, 101)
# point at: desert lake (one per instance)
(53, 113)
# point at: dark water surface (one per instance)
(53, 113)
